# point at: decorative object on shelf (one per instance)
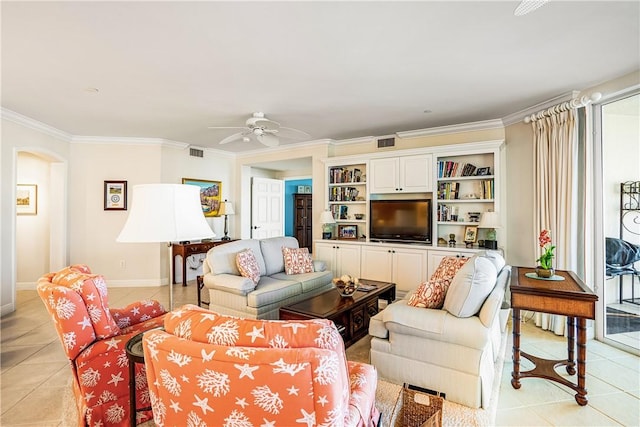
(226, 209)
(346, 285)
(474, 216)
(115, 195)
(483, 171)
(452, 240)
(490, 220)
(359, 216)
(545, 267)
(471, 234)
(27, 199)
(441, 241)
(165, 213)
(210, 195)
(327, 224)
(347, 231)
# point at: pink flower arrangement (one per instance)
(546, 258)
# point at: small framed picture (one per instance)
(301, 189)
(483, 171)
(471, 234)
(344, 212)
(347, 231)
(307, 189)
(27, 199)
(115, 195)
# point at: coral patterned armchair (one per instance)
(94, 338)
(208, 369)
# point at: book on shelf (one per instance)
(448, 190)
(450, 169)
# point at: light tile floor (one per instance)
(35, 372)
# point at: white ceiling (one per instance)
(335, 70)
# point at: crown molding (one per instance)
(123, 140)
(443, 130)
(30, 123)
(520, 115)
(358, 140)
(280, 148)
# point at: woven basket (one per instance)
(419, 409)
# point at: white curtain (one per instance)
(555, 144)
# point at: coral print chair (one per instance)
(208, 369)
(94, 337)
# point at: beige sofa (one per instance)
(439, 351)
(232, 294)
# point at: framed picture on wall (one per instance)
(27, 199)
(210, 195)
(115, 195)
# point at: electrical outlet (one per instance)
(123, 264)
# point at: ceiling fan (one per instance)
(265, 131)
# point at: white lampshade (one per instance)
(327, 218)
(165, 213)
(226, 208)
(489, 220)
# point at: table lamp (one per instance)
(327, 224)
(165, 213)
(490, 220)
(226, 209)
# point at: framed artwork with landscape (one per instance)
(115, 195)
(347, 231)
(27, 199)
(210, 195)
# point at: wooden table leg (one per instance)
(581, 396)
(515, 375)
(571, 345)
(132, 393)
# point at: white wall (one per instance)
(15, 138)
(32, 231)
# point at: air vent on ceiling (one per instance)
(196, 152)
(386, 142)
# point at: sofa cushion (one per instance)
(431, 294)
(271, 291)
(297, 260)
(272, 252)
(221, 259)
(309, 281)
(248, 265)
(470, 287)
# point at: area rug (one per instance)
(387, 394)
(619, 322)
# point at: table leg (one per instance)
(515, 375)
(184, 270)
(132, 393)
(581, 396)
(571, 345)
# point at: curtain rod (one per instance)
(564, 106)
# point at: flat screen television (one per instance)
(400, 220)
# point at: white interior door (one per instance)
(267, 208)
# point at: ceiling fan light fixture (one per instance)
(528, 6)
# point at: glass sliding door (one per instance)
(620, 130)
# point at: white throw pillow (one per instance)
(470, 287)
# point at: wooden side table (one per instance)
(185, 250)
(569, 297)
(135, 355)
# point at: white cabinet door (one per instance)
(340, 258)
(409, 268)
(436, 256)
(383, 175)
(348, 260)
(326, 252)
(416, 174)
(377, 263)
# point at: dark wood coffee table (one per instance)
(350, 314)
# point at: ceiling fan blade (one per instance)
(232, 138)
(268, 139)
(226, 127)
(296, 133)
